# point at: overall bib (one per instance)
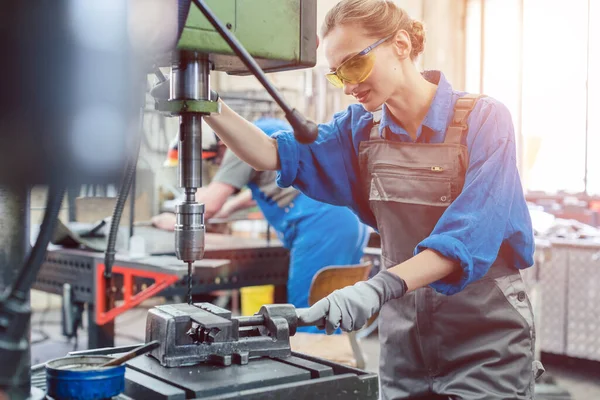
(476, 344)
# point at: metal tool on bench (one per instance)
(194, 333)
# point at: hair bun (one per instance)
(417, 38)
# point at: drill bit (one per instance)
(189, 293)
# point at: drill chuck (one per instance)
(189, 231)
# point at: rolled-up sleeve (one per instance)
(319, 169)
(289, 153)
(473, 227)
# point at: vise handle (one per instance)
(269, 311)
(260, 319)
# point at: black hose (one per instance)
(124, 189)
(29, 272)
(132, 202)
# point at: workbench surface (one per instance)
(295, 377)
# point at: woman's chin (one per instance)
(371, 106)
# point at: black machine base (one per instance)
(295, 377)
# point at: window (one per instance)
(539, 70)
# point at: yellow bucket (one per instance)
(254, 297)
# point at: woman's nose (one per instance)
(349, 88)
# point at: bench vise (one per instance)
(190, 334)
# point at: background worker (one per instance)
(317, 234)
(455, 320)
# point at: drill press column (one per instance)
(190, 82)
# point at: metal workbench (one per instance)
(295, 377)
(229, 263)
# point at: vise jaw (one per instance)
(190, 334)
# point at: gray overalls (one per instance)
(476, 344)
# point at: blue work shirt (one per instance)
(490, 210)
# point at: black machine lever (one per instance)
(305, 131)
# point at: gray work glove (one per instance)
(351, 307)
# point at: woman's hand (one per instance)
(351, 307)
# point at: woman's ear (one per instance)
(401, 44)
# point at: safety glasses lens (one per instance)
(334, 80)
(357, 69)
(353, 71)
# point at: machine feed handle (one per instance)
(305, 131)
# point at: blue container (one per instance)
(70, 378)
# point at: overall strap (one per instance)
(458, 127)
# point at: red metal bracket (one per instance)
(130, 300)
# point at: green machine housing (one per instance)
(280, 34)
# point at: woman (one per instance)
(435, 173)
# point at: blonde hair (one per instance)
(380, 18)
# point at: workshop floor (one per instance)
(582, 381)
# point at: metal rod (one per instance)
(105, 351)
(253, 320)
(132, 202)
(189, 293)
(132, 354)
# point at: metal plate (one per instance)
(77, 270)
(316, 370)
(340, 387)
(141, 386)
(554, 302)
(583, 318)
(570, 292)
(211, 380)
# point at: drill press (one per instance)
(190, 84)
(281, 35)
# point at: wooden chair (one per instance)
(325, 282)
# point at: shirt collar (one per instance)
(437, 116)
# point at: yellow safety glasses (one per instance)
(356, 69)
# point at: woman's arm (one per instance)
(425, 268)
(246, 140)
(490, 209)
(326, 170)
